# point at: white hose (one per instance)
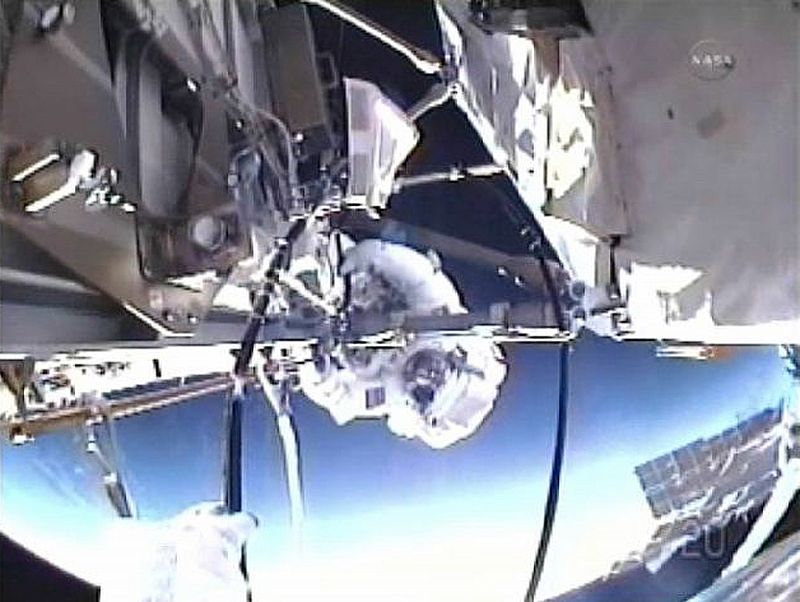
(291, 453)
(291, 457)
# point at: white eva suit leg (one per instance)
(193, 557)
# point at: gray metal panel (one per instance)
(710, 167)
(292, 67)
(43, 324)
(63, 78)
(595, 201)
(101, 248)
(59, 87)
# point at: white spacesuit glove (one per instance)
(193, 557)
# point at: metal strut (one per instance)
(107, 458)
(423, 60)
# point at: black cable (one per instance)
(554, 486)
(233, 468)
(233, 449)
(280, 261)
(555, 475)
(561, 435)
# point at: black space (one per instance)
(28, 578)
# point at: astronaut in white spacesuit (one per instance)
(436, 388)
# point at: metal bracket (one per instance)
(107, 457)
(438, 94)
